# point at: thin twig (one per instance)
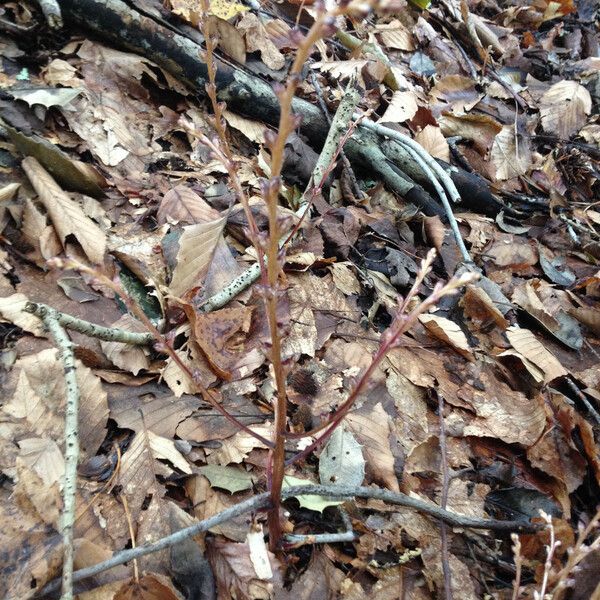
(358, 193)
(109, 334)
(348, 535)
(444, 500)
(52, 13)
(434, 172)
(262, 501)
(293, 540)
(65, 347)
(583, 399)
(325, 161)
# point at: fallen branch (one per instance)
(262, 501)
(65, 347)
(441, 181)
(108, 334)
(331, 148)
(51, 11)
(244, 93)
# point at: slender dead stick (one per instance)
(65, 347)
(262, 501)
(109, 334)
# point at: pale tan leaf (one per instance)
(253, 130)
(40, 395)
(478, 128)
(44, 496)
(395, 35)
(432, 139)
(43, 457)
(344, 278)
(8, 191)
(178, 381)
(235, 448)
(259, 555)
(235, 574)
(258, 40)
(28, 405)
(511, 154)
(196, 248)
(229, 38)
(11, 309)
(535, 372)
(38, 233)
(372, 429)
(128, 357)
(387, 294)
(166, 450)
(154, 409)
(207, 502)
(589, 316)
(435, 231)
(151, 586)
(341, 69)
(456, 91)
(402, 107)
(66, 215)
(524, 342)
(449, 332)
(564, 108)
(137, 474)
(20, 529)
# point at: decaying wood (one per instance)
(115, 22)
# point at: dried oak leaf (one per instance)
(148, 587)
(564, 108)
(220, 335)
(66, 215)
(235, 573)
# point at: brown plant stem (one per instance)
(391, 338)
(287, 123)
(162, 344)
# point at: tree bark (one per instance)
(116, 22)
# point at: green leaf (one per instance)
(424, 4)
(317, 503)
(231, 479)
(139, 293)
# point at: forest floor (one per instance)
(490, 405)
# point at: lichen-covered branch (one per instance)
(65, 348)
(108, 334)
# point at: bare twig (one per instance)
(593, 412)
(109, 334)
(52, 12)
(436, 174)
(348, 535)
(262, 501)
(65, 347)
(358, 193)
(444, 499)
